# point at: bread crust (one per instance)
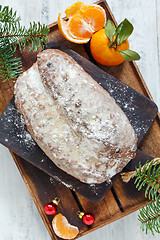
(73, 119)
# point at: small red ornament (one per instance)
(51, 208)
(88, 218)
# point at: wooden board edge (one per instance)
(117, 216)
(35, 199)
(109, 10)
(144, 84)
(51, 25)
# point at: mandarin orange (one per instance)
(63, 27)
(78, 28)
(62, 228)
(83, 21)
(74, 8)
(104, 54)
(94, 15)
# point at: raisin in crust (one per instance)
(73, 119)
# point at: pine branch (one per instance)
(10, 67)
(6, 15)
(33, 37)
(149, 216)
(12, 34)
(148, 175)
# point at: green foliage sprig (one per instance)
(12, 34)
(149, 176)
(7, 15)
(118, 35)
(149, 216)
(10, 67)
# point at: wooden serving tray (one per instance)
(141, 111)
(123, 198)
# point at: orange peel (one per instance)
(63, 27)
(83, 21)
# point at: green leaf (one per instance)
(110, 29)
(129, 55)
(118, 29)
(123, 31)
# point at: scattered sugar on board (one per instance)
(24, 136)
(19, 132)
(64, 183)
(51, 180)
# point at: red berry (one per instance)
(50, 208)
(88, 218)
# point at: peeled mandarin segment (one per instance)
(78, 28)
(63, 27)
(74, 8)
(62, 228)
(94, 15)
(83, 21)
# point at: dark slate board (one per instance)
(140, 110)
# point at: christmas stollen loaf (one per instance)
(73, 119)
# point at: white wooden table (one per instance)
(19, 218)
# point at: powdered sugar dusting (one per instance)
(62, 182)
(74, 120)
